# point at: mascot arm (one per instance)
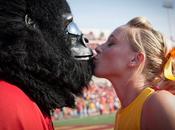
(19, 112)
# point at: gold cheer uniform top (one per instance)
(129, 118)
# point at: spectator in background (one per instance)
(133, 58)
(91, 103)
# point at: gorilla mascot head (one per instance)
(43, 52)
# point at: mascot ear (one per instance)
(29, 22)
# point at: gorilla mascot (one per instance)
(44, 62)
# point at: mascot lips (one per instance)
(79, 48)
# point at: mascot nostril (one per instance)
(44, 62)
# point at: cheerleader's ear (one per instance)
(137, 59)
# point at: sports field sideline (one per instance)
(103, 122)
(84, 127)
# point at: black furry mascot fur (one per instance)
(36, 54)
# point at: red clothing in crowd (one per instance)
(19, 112)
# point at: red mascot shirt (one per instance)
(19, 112)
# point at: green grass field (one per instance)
(90, 120)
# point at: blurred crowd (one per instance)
(96, 100)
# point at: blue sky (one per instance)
(108, 14)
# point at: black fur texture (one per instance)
(37, 58)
